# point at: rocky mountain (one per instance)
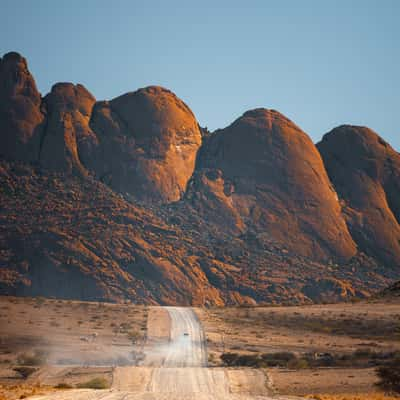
(265, 173)
(21, 116)
(365, 171)
(147, 144)
(131, 199)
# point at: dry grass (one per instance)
(13, 392)
(354, 396)
(347, 340)
(59, 339)
(68, 332)
(335, 328)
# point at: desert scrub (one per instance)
(63, 385)
(298, 363)
(353, 396)
(133, 336)
(24, 371)
(359, 359)
(125, 327)
(389, 376)
(280, 359)
(38, 357)
(95, 383)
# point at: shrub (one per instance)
(39, 301)
(133, 336)
(229, 359)
(389, 376)
(125, 327)
(63, 385)
(249, 360)
(95, 383)
(279, 359)
(38, 357)
(298, 363)
(24, 371)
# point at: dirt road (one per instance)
(175, 367)
(183, 345)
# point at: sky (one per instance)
(322, 63)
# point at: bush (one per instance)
(38, 357)
(249, 360)
(95, 383)
(229, 359)
(133, 336)
(389, 376)
(39, 301)
(63, 385)
(298, 363)
(279, 359)
(25, 372)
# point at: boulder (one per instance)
(268, 171)
(148, 142)
(68, 142)
(365, 171)
(21, 119)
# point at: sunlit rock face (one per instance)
(365, 171)
(148, 141)
(68, 141)
(266, 170)
(21, 119)
(258, 218)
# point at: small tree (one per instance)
(25, 372)
(389, 376)
(229, 359)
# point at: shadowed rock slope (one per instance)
(73, 237)
(392, 292)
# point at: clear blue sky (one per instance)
(321, 63)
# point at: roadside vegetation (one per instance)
(389, 376)
(289, 360)
(95, 383)
(354, 396)
(328, 348)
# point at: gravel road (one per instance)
(175, 368)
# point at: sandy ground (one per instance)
(304, 328)
(79, 341)
(334, 329)
(175, 368)
(158, 324)
(328, 381)
(164, 352)
(71, 332)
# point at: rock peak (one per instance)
(365, 171)
(265, 118)
(13, 55)
(161, 137)
(20, 110)
(265, 170)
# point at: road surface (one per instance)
(184, 345)
(175, 368)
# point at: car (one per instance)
(186, 334)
